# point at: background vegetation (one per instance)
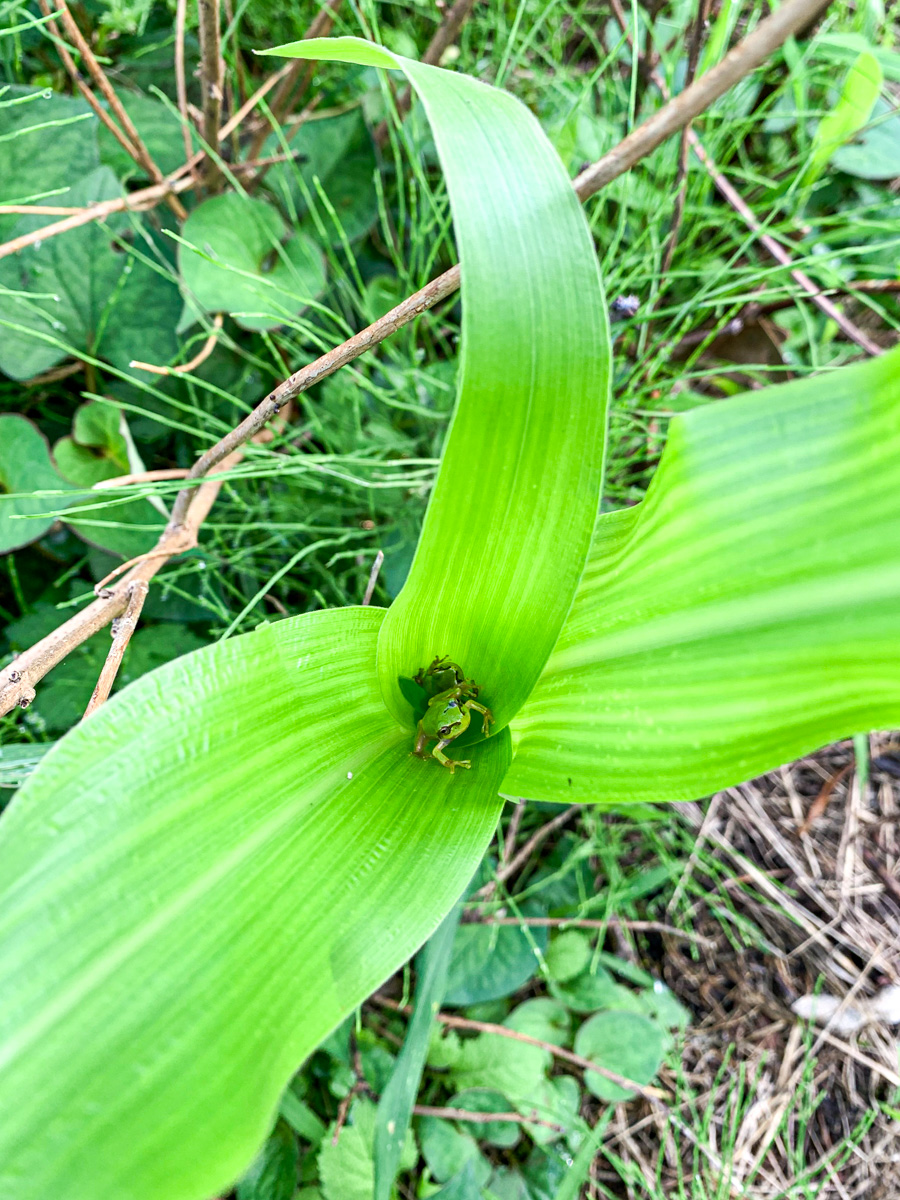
(686, 954)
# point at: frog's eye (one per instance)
(453, 704)
(444, 730)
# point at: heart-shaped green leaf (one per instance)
(81, 293)
(25, 467)
(742, 615)
(46, 142)
(624, 1042)
(235, 258)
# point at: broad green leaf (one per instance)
(592, 989)
(862, 86)
(482, 1100)
(160, 130)
(347, 1168)
(744, 613)
(491, 961)
(235, 258)
(396, 1104)
(96, 450)
(25, 467)
(555, 1100)
(508, 527)
(147, 307)
(18, 762)
(448, 1151)
(301, 1118)
(501, 1064)
(46, 142)
(198, 883)
(82, 292)
(542, 1018)
(624, 1042)
(568, 955)
(463, 1185)
(337, 156)
(59, 290)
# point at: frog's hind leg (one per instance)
(450, 763)
(421, 738)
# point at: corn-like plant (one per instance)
(205, 877)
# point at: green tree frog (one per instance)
(449, 711)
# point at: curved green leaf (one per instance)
(237, 867)
(747, 612)
(509, 525)
(853, 109)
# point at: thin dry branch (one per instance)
(181, 81)
(778, 252)
(200, 357)
(75, 75)
(743, 58)
(17, 680)
(373, 578)
(772, 245)
(445, 35)
(122, 629)
(211, 82)
(132, 141)
(569, 1056)
(481, 1118)
(144, 198)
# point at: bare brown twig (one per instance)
(373, 577)
(690, 138)
(131, 141)
(681, 178)
(122, 629)
(181, 82)
(743, 58)
(481, 1118)
(18, 679)
(211, 83)
(569, 1056)
(201, 356)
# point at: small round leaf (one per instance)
(624, 1042)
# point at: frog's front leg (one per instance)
(488, 716)
(450, 763)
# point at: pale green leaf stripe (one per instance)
(235, 871)
(747, 612)
(509, 524)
